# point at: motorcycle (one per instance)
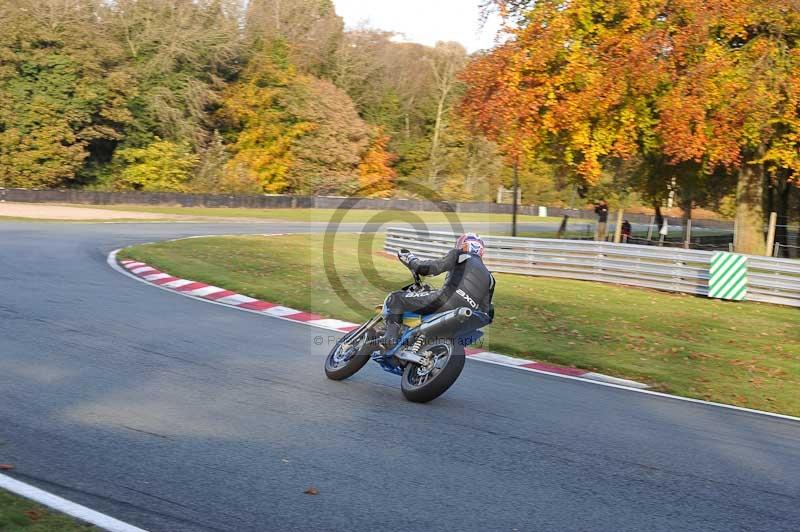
(429, 356)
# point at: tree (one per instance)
(62, 89)
(262, 128)
(213, 157)
(697, 87)
(180, 54)
(470, 166)
(311, 29)
(293, 131)
(328, 154)
(735, 68)
(163, 166)
(375, 174)
(446, 61)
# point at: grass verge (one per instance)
(21, 515)
(746, 354)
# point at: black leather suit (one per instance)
(468, 284)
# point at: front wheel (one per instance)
(445, 360)
(349, 355)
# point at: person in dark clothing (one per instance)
(601, 210)
(468, 284)
(625, 231)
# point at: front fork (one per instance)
(363, 328)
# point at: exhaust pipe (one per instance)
(450, 322)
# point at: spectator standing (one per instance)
(601, 210)
(626, 231)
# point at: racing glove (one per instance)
(406, 257)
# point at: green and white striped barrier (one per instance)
(728, 276)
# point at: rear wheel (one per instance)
(444, 362)
(349, 355)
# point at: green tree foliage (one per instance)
(212, 160)
(311, 28)
(263, 96)
(163, 166)
(62, 90)
(180, 55)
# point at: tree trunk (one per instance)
(659, 217)
(793, 218)
(750, 208)
(407, 117)
(686, 205)
(437, 128)
(783, 189)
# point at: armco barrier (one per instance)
(677, 270)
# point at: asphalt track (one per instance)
(177, 415)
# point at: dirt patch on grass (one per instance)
(61, 212)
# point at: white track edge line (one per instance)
(65, 506)
(638, 390)
(112, 261)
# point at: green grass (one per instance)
(746, 354)
(21, 515)
(323, 215)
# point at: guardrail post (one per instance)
(650, 228)
(776, 252)
(516, 200)
(773, 221)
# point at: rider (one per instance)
(468, 284)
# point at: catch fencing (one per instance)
(677, 270)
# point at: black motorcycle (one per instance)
(429, 356)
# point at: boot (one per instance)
(392, 334)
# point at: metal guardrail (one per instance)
(676, 270)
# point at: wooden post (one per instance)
(516, 200)
(618, 227)
(687, 242)
(773, 221)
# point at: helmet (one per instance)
(471, 243)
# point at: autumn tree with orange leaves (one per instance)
(376, 177)
(679, 88)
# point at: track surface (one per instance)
(177, 415)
